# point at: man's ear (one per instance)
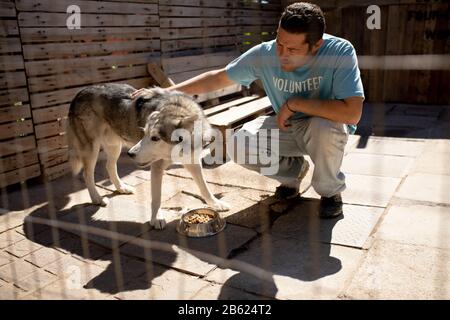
(317, 45)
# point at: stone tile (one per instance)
(425, 187)
(390, 146)
(9, 237)
(435, 159)
(69, 267)
(393, 270)
(22, 248)
(420, 225)
(213, 291)
(16, 270)
(226, 175)
(5, 259)
(221, 245)
(301, 270)
(352, 229)
(377, 165)
(44, 256)
(365, 190)
(169, 285)
(10, 292)
(36, 280)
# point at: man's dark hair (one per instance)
(304, 17)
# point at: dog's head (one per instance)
(178, 125)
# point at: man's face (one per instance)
(293, 51)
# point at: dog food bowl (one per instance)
(201, 222)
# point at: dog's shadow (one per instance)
(120, 275)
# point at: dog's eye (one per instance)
(180, 139)
(155, 138)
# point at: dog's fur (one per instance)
(106, 116)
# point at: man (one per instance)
(313, 83)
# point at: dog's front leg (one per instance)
(196, 171)
(158, 220)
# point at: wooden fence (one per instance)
(44, 63)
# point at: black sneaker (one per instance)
(330, 207)
(285, 192)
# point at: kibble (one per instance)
(198, 218)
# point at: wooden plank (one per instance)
(54, 157)
(87, 34)
(232, 115)
(56, 171)
(159, 76)
(12, 96)
(256, 21)
(7, 9)
(50, 114)
(11, 62)
(44, 19)
(18, 161)
(199, 3)
(16, 129)
(8, 28)
(180, 44)
(184, 33)
(182, 76)
(97, 7)
(47, 144)
(84, 77)
(10, 45)
(46, 67)
(180, 64)
(176, 11)
(12, 79)
(225, 106)
(219, 93)
(56, 50)
(50, 128)
(196, 22)
(14, 113)
(17, 145)
(19, 175)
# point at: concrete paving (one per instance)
(393, 241)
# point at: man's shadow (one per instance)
(119, 276)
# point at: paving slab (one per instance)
(10, 237)
(301, 270)
(213, 291)
(394, 270)
(233, 174)
(425, 187)
(22, 248)
(365, 190)
(377, 165)
(435, 158)
(169, 285)
(10, 292)
(5, 259)
(221, 245)
(390, 146)
(420, 225)
(352, 229)
(44, 256)
(16, 270)
(36, 280)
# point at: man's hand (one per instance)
(139, 92)
(283, 115)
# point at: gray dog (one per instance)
(152, 125)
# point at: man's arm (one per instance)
(203, 83)
(346, 111)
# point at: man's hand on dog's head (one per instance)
(139, 92)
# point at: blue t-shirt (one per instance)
(332, 74)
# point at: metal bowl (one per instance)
(200, 229)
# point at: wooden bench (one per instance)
(228, 108)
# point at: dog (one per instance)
(105, 116)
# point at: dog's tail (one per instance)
(73, 141)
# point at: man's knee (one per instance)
(326, 132)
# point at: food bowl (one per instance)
(200, 222)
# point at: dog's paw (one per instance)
(102, 202)
(220, 205)
(124, 189)
(158, 223)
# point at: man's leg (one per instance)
(259, 144)
(324, 141)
